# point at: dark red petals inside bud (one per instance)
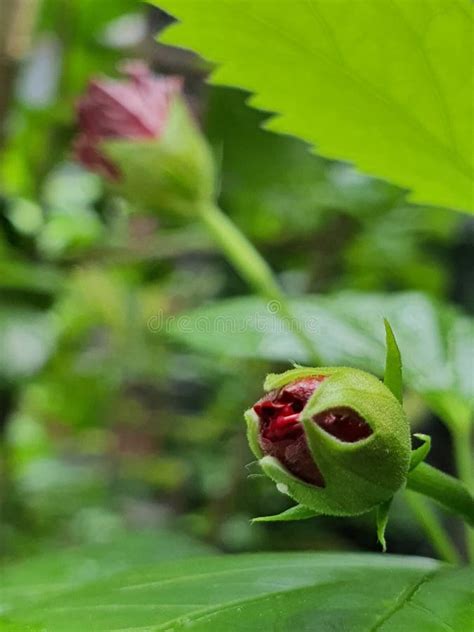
(294, 454)
(281, 435)
(279, 410)
(344, 423)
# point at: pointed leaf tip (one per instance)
(393, 363)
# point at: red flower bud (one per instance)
(136, 108)
(282, 436)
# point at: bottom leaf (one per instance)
(285, 592)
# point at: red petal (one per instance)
(133, 108)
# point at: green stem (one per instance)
(253, 269)
(433, 528)
(462, 441)
(445, 489)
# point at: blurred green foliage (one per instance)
(106, 423)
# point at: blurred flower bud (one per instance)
(135, 108)
(139, 134)
(334, 439)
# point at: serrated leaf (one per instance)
(272, 185)
(393, 378)
(347, 328)
(298, 512)
(307, 591)
(383, 83)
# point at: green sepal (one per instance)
(298, 512)
(419, 454)
(170, 174)
(252, 432)
(363, 474)
(303, 493)
(278, 380)
(393, 378)
(347, 491)
(381, 517)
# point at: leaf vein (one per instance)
(403, 599)
(433, 78)
(372, 91)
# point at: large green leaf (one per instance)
(436, 342)
(46, 576)
(274, 187)
(286, 592)
(382, 83)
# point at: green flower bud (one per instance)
(170, 174)
(336, 440)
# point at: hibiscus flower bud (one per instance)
(334, 439)
(139, 133)
(135, 108)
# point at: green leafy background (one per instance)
(122, 443)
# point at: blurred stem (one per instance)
(253, 269)
(445, 489)
(433, 528)
(462, 441)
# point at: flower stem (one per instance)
(432, 527)
(253, 269)
(462, 442)
(445, 489)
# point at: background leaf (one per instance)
(384, 84)
(344, 591)
(348, 329)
